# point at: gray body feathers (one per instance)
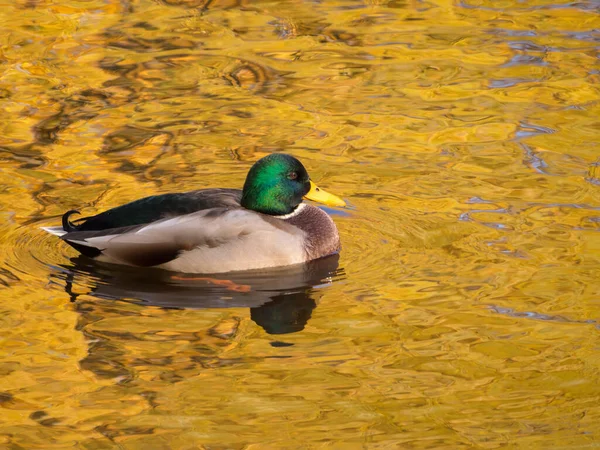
(203, 231)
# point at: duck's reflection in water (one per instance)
(280, 299)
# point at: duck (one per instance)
(265, 224)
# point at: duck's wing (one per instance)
(164, 240)
(156, 207)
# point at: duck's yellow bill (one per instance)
(316, 194)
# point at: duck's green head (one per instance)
(277, 183)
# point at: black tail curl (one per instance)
(66, 224)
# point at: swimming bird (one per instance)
(265, 224)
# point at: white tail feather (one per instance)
(56, 231)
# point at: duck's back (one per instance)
(150, 209)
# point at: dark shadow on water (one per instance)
(280, 299)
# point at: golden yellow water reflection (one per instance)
(464, 310)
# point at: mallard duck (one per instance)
(215, 230)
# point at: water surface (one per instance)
(463, 310)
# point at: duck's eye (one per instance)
(292, 175)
